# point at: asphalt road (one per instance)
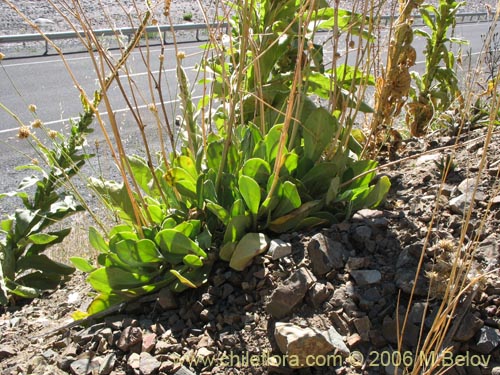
(43, 81)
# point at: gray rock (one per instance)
(299, 343)
(362, 233)
(148, 364)
(495, 371)
(107, 364)
(468, 328)
(287, 296)
(84, 366)
(184, 371)
(459, 205)
(130, 336)
(488, 252)
(374, 218)
(405, 278)
(467, 187)
(366, 277)
(363, 326)
(325, 254)
(319, 293)
(134, 361)
(7, 351)
(356, 263)
(489, 339)
(166, 299)
(279, 249)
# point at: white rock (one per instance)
(302, 344)
(279, 249)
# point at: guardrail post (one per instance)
(46, 48)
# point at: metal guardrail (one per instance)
(127, 31)
(461, 18)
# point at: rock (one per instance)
(363, 326)
(184, 371)
(166, 299)
(84, 366)
(107, 364)
(469, 326)
(354, 340)
(7, 351)
(319, 293)
(148, 342)
(130, 336)
(325, 254)
(300, 343)
(495, 371)
(148, 364)
(458, 205)
(366, 277)
(389, 330)
(279, 249)
(489, 339)
(467, 187)
(287, 296)
(405, 278)
(488, 252)
(134, 361)
(204, 352)
(356, 263)
(375, 218)
(362, 233)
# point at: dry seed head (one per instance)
(32, 108)
(152, 107)
(24, 132)
(166, 9)
(154, 22)
(352, 44)
(37, 123)
(446, 245)
(53, 134)
(161, 57)
(181, 55)
(35, 161)
(2, 56)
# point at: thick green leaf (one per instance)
(317, 180)
(42, 238)
(379, 192)
(175, 242)
(102, 302)
(192, 260)
(237, 227)
(45, 264)
(250, 192)
(318, 131)
(258, 169)
(333, 190)
(97, 241)
(142, 173)
(182, 181)
(251, 245)
(219, 211)
(138, 254)
(290, 200)
(356, 169)
(187, 164)
(290, 221)
(106, 280)
(82, 264)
